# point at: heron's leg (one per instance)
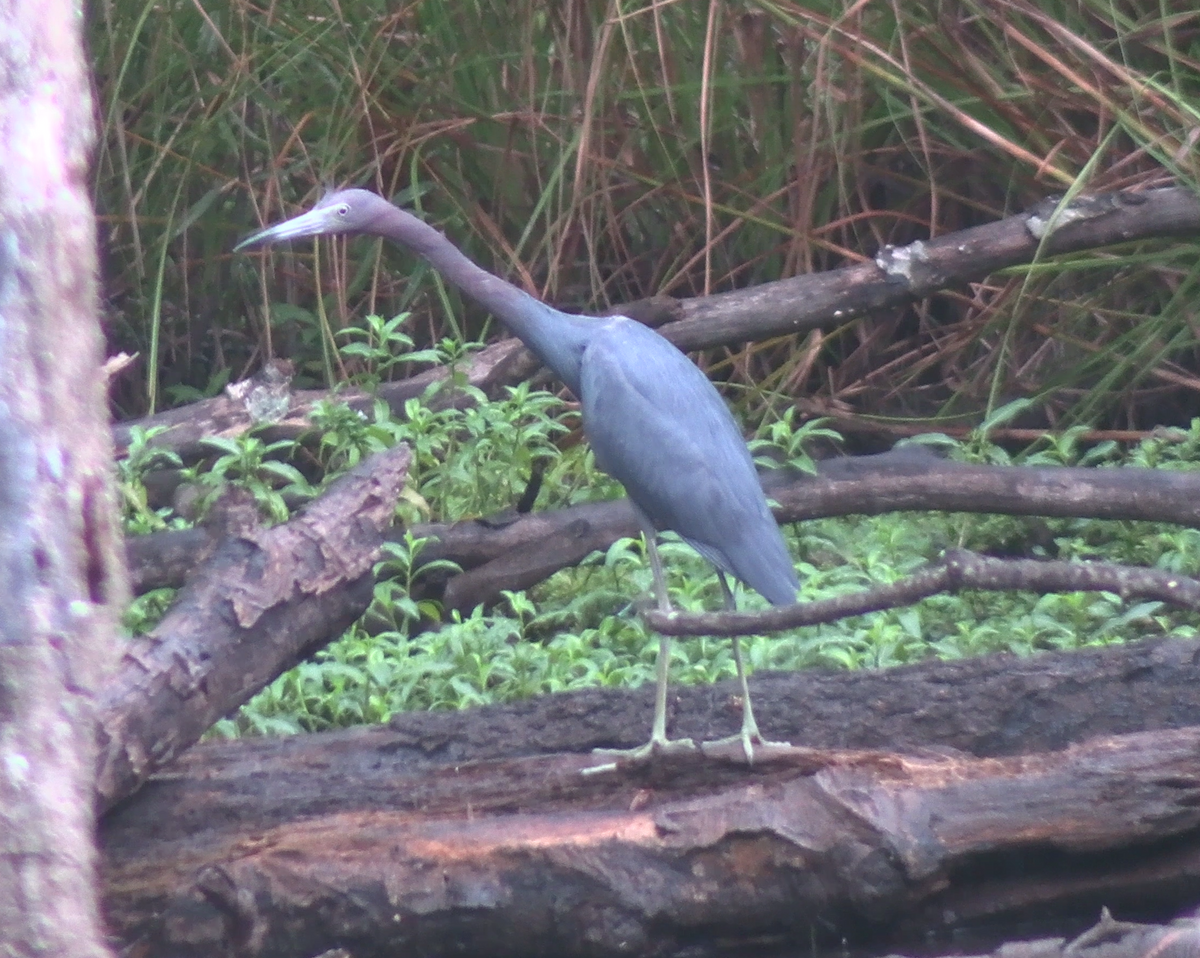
(750, 736)
(660, 580)
(662, 665)
(750, 730)
(659, 743)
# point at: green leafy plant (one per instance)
(140, 458)
(396, 576)
(146, 610)
(781, 442)
(378, 346)
(247, 461)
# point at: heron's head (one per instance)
(346, 211)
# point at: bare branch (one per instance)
(958, 569)
(518, 550)
(900, 275)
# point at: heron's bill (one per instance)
(312, 223)
(254, 239)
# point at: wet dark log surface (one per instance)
(1110, 938)
(473, 832)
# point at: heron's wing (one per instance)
(659, 426)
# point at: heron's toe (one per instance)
(614, 758)
(746, 747)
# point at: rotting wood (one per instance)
(989, 706)
(1108, 938)
(261, 603)
(241, 799)
(528, 856)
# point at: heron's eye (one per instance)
(343, 209)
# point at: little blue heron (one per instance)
(654, 420)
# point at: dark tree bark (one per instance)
(421, 838)
(263, 601)
(60, 561)
(1111, 939)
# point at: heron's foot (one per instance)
(747, 745)
(614, 758)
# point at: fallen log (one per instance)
(1109, 938)
(529, 856)
(431, 837)
(263, 601)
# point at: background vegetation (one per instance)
(596, 153)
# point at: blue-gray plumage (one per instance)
(657, 425)
(654, 420)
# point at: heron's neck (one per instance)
(557, 338)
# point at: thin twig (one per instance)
(958, 569)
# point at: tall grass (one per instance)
(595, 153)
